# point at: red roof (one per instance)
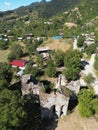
(18, 63)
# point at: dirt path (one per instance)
(89, 67)
(75, 44)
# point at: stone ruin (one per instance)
(54, 104)
(29, 85)
(73, 86)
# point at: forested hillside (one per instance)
(53, 27)
(44, 9)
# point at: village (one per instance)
(56, 102)
(42, 72)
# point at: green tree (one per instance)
(11, 110)
(96, 62)
(71, 73)
(95, 105)
(58, 57)
(4, 44)
(85, 106)
(89, 79)
(16, 52)
(30, 47)
(73, 58)
(80, 41)
(3, 84)
(31, 70)
(5, 72)
(72, 62)
(51, 69)
(91, 49)
(39, 60)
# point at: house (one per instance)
(18, 63)
(20, 38)
(89, 39)
(28, 36)
(42, 49)
(44, 52)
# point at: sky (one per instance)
(13, 4)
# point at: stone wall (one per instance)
(52, 105)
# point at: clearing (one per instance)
(58, 44)
(4, 55)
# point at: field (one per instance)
(4, 55)
(53, 44)
(58, 44)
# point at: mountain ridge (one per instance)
(45, 9)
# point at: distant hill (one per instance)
(44, 9)
(56, 6)
(85, 12)
(67, 16)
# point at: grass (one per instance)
(86, 57)
(58, 44)
(4, 55)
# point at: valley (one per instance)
(49, 66)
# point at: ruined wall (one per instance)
(56, 104)
(52, 105)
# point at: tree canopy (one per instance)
(4, 44)
(80, 41)
(89, 78)
(72, 62)
(16, 52)
(91, 49)
(11, 110)
(5, 72)
(96, 62)
(58, 57)
(51, 69)
(31, 70)
(39, 60)
(88, 105)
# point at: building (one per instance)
(89, 39)
(44, 52)
(18, 64)
(53, 104)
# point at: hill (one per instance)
(65, 16)
(81, 19)
(44, 9)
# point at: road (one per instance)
(75, 44)
(89, 67)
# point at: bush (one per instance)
(96, 63)
(51, 69)
(91, 49)
(4, 45)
